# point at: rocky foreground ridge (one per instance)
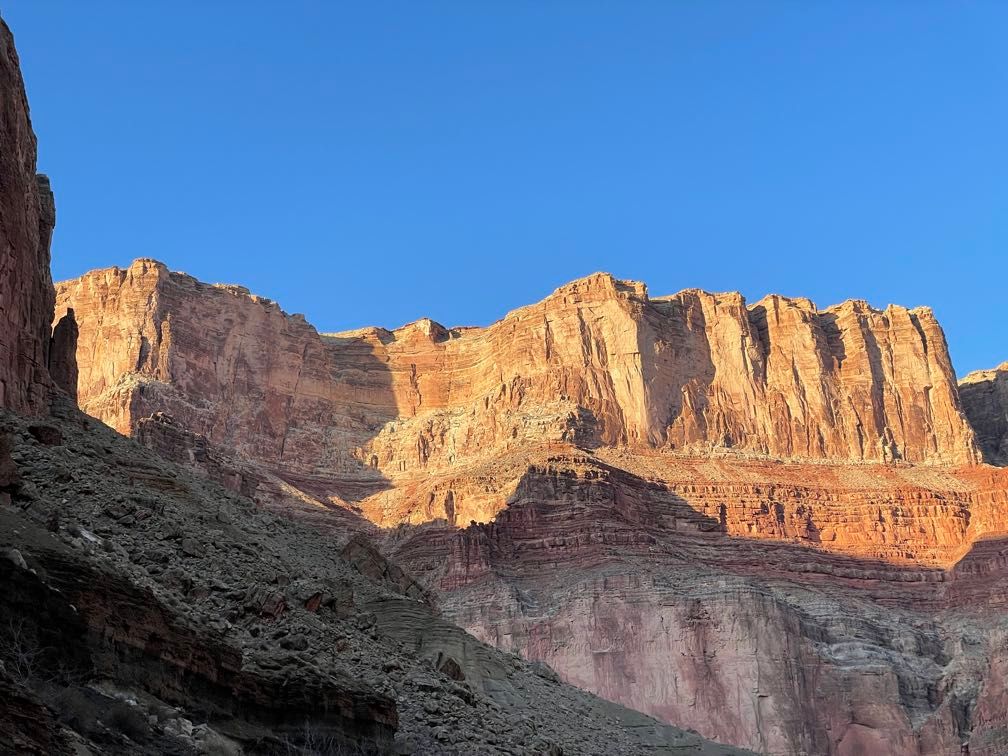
(149, 609)
(766, 522)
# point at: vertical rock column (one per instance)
(27, 217)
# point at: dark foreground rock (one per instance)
(27, 217)
(163, 613)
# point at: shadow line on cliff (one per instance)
(558, 517)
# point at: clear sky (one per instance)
(372, 163)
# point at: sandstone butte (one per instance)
(769, 523)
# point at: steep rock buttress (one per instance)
(27, 217)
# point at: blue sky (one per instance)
(372, 163)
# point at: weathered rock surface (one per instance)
(597, 362)
(27, 726)
(27, 217)
(158, 588)
(89, 617)
(985, 401)
(63, 354)
(618, 460)
(807, 609)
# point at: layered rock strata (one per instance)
(596, 482)
(597, 363)
(146, 585)
(860, 611)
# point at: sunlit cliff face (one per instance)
(766, 522)
(697, 391)
(597, 363)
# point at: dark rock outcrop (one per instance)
(8, 470)
(27, 218)
(63, 354)
(185, 595)
(985, 401)
(27, 726)
(107, 627)
(369, 561)
(161, 433)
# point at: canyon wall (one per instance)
(27, 217)
(764, 522)
(230, 366)
(597, 363)
(984, 396)
(786, 608)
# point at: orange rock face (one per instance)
(597, 363)
(764, 522)
(27, 217)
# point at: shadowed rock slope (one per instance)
(858, 611)
(985, 401)
(161, 613)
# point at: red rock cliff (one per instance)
(789, 608)
(27, 217)
(743, 519)
(597, 362)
